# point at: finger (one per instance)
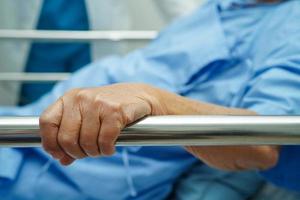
(68, 134)
(49, 125)
(90, 130)
(109, 131)
(66, 160)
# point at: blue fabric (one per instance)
(269, 191)
(56, 57)
(205, 183)
(287, 172)
(228, 55)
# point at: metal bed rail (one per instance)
(64, 36)
(33, 77)
(176, 131)
(76, 36)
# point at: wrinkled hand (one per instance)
(87, 122)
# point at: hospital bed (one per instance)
(65, 36)
(76, 36)
(150, 131)
(176, 131)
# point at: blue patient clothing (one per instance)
(230, 53)
(202, 182)
(270, 191)
(56, 57)
(287, 171)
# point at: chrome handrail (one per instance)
(76, 36)
(176, 131)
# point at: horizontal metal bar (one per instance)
(33, 77)
(176, 131)
(76, 36)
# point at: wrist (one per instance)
(154, 97)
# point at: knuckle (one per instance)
(108, 105)
(128, 118)
(99, 100)
(82, 95)
(67, 140)
(100, 104)
(45, 119)
(115, 107)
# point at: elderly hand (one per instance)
(87, 122)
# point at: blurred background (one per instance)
(25, 50)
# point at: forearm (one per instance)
(178, 105)
(222, 157)
(75, 117)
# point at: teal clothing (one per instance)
(56, 57)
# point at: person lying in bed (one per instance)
(227, 58)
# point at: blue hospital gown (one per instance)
(231, 54)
